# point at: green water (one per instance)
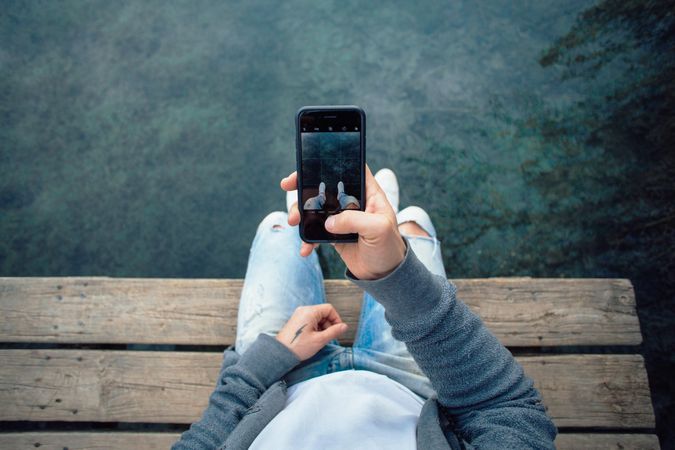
(147, 139)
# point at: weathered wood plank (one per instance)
(551, 312)
(596, 441)
(593, 390)
(156, 441)
(109, 386)
(88, 440)
(520, 311)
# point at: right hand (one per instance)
(380, 247)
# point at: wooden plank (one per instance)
(156, 441)
(602, 441)
(552, 312)
(88, 440)
(593, 390)
(107, 310)
(106, 386)
(520, 311)
(124, 386)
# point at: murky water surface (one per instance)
(147, 139)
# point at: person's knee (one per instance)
(412, 229)
(274, 221)
(420, 219)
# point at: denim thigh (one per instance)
(277, 281)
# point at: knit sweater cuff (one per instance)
(268, 359)
(409, 291)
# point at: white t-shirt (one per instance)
(346, 409)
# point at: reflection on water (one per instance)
(148, 139)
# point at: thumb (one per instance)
(333, 331)
(351, 221)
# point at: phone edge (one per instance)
(298, 163)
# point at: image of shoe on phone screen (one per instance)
(330, 165)
(346, 201)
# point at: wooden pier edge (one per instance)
(520, 311)
(604, 397)
(122, 440)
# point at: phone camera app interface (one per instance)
(331, 166)
(331, 170)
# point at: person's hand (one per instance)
(310, 328)
(380, 247)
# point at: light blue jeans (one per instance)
(278, 280)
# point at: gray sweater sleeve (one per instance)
(238, 388)
(480, 386)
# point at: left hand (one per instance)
(310, 328)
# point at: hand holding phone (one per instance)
(379, 248)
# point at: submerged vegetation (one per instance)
(626, 51)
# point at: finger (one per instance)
(328, 321)
(326, 311)
(365, 224)
(372, 186)
(333, 332)
(370, 178)
(294, 215)
(326, 324)
(306, 249)
(290, 183)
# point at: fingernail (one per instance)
(330, 222)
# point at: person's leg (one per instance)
(277, 281)
(346, 201)
(317, 202)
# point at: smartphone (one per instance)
(331, 160)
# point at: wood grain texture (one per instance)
(596, 441)
(156, 441)
(88, 440)
(593, 390)
(173, 387)
(520, 311)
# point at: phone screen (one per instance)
(331, 160)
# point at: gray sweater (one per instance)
(484, 398)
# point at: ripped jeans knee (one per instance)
(274, 221)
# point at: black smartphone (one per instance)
(331, 160)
